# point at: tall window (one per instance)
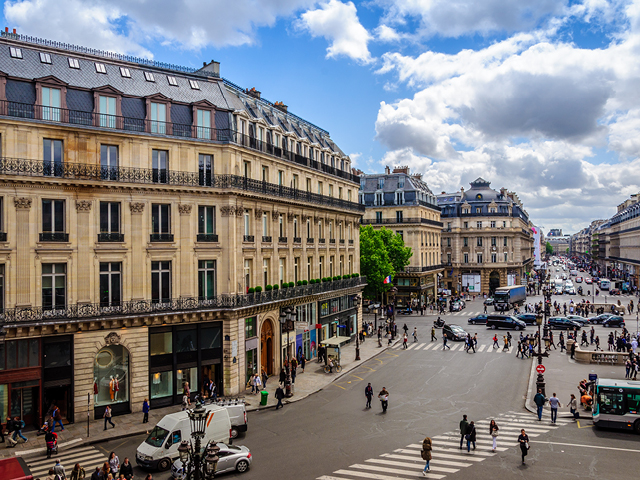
(246, 224)
(479, 241)
(380, 183)
(52, 158)
(1, 288)
(320, 229)
(309, 267)
(160, 282)
(331, 274)
(247, 275)
(493, 241)
(109, 220)
(506, 257)
(309, 228)
(109, 162)
(54, 286)
(321, 266)
(107, 112)
(399, 216)
(160, 160)
(265, 271)
(160, 219)
(399, 198)
(479, 257)
(466, 258)
(295, 227)
(203, 130)
(379, 199)
(296, 268)
(465, 241)
(206, 220)
(320, 188)
(51, 104)
(158, 118)
(493, 224)
(378, 217)
(281, 226)
(53, 216)
(479, 224)
(504, 241)
(280, 177)
(206, 279)
(265, 225)
(494, 258)
(205, 169)
(281, 271)
(110, 284)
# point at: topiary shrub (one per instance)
(291, 284)
(268, 288)
(276, 287)
(252, 290)
(304, 282)
(258, 289)
(299, 282)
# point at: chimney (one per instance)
(404, 169)
(253, 92)
(462, 189)
(418, 176)
(14, 31)
(387, 171)
(212, 68)
(281, 106)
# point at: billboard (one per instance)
(537, 258)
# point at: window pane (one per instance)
(160, 343)
(166, 286)
(34, 352)
(11, 354)
(23, 353)
(186, 340)
(211, 337)
(115, 217)
(47, 221)
(58, 207)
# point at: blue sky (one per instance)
(538, 96)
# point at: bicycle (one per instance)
(336, 367)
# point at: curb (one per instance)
(528, 402)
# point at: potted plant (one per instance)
(268, 288)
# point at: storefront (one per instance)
(306, 320)
(57, 374)
(183, 356)
(337, 317)
(251, 347)
(111, 379)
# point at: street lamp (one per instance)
(356, 302)
(287, 316)
(195, 464)
(540, 380)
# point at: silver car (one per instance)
(232, 458)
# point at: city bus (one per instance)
(604, 284)
(616, 404)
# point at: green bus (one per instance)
(616, 404)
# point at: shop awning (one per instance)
(335, 341)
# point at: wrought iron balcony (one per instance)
(207, 237)
(266, 239)
(321, 240)
(161, 237)
(391, 221)
(282, 239)
(332, 240)
(342, 241)
(297, 240)
(429, 268)
(350, 242)
(309, 239)
(110, 237)
(248, 238)
(84, 312)
(3, 236)
(54, 237)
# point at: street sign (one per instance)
(540, 369)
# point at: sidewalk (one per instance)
(312, 380)
(562, 376)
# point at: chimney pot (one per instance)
(14, 31)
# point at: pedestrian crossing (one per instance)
(457, 346)
(447, 458)
(88, 457)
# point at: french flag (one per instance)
(387, 279)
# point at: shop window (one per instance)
(57, 354)
(19, 354)
(111, 376)
(251, 329)
(186, 340)
(186, 376)
(211, 337)
(161, 384)
(160, 343)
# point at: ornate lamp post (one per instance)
(287, 317)
(356, 303)
(196, 464)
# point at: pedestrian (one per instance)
(444, 342)
(485, 308)
(433, 334)
(561, 343)
(384, 399)
(404, 341)
(506, 343)
(148, 477)
(493, 431)
(554, 403)
(463, 429)
(539, 400)
(97, 475)
(18, 425)
(279, 397)
(627, 368)
(368, 392)
(114, 463)
(283, 376)
(57, 417)
(53, 475)
(415, 334)
(145, 411)
(185, 402)
(50, 440)
(472, 343)
(58, 469)
(573, 407)
(471, 436)
(77, 473)
(303, 362)
(523, 440)
(213, 394)
(107, 417)
(573, 349)
(426, 454)
(126, 469)
(293, 375)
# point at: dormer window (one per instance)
(194, 84)
(100, 68)
(125, 72)
(148, 76)
(172, 80)
(73, 63)
(15, 52)
(45, 57)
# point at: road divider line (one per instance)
(588, 446)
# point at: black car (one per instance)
(562, 323)
(577, 318)
(600, 318)
(505, 321)
(478, 319)
(528, 318)
(613, 321)
(454, 332)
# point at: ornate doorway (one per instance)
(266, 347)
(494, 281)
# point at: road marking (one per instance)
(357, 377)
(420, 346)
(588, 446)
(482, 347)
(436, 461)
(379, 360)
(368, 475)
(338, 386)
(368, 368)
(376, 468)
(331, 477)
(390, 354)
(429, 346)
(411, 346)
(588, 426)
(411, 465)
(455, 345)
(451, 450)
(441, 455)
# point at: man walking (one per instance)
(368, 392)
(18, 425)
(472, 344)
(539, 400)
(463, 429)
(433, 334)
(58, 469)
(279, 397)
(415, 334)
(444, 342)
(554, 403)
(561, 343)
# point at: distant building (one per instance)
(555, 232)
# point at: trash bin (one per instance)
(263, 397)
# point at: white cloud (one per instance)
(338, 23)
(385, 33)
(125, 26)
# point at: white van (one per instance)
(574, 273)
(160, 448)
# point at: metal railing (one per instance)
(207, 237)
(266, 239)
(78, 312)
(282, 239)
(110, 237)
(3, 236)
(248, 238)
(310, 240)
(388, 221)
(161, 237)
(297, 240)
(54, 237)
(423, 269)
(83, 171)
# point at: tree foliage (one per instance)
(398, 253)
(548, 248)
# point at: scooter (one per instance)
(439, 323)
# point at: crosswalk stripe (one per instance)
(534, 422)
(454, 346)
(430, 345)
(420, 346)
(89, 462)
(442, 455)
(450, 450)
(452, 442)
(331, 477)
(411, 346)
(482, 347)
(89, 456)
(436, 461)
(518, 426)
(376, 468)
(368, 475)
(64, 456)
(382, 461)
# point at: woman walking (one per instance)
(573, 406)
(493, 431)
(471, 436)
(426, 454)
(114, 463)
(77, 473)
(523, 440)
(107, 417)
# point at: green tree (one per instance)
(398, 253)
(548, 248)
(374, 262)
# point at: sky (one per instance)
(541, 97)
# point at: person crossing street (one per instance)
(368, 392)
(433, 334)
(539, 400)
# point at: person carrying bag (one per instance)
(426, 454)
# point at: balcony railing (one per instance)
(321, 240)
(3, 236)
(332, 240)
(390, 221)
(423, 269)
(309, 240)
(94, 172)
(207, 237)
(266, 239)
(54, 237)
(161, 237)
(282, 239)
(110, 237)
(350, 242)
(297, 240)
(248, 238)
(80, 312)
(342, 241)
(141, 125)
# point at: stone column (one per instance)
(137, 251)
(23, 247)
(186, 252)
(83, 275)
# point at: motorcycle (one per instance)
(439, 323)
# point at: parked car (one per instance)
(588, 281)
(600, 318)
(562, 323)
(489, 301)
(578, 279)
(527, 318)
(614, 321)
(231, 458)
(478, 319)
(454, 332)
(505, 321)
(577, 318)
